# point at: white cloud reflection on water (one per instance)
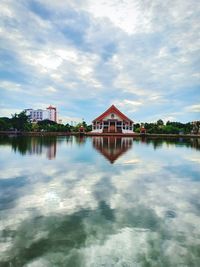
(127, 214)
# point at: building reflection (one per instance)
(51, 150)
(41, 146)
(112, 147)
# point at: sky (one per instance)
(82, 56)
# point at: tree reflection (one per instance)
(187, 142)
(32, 145)
(80, 140)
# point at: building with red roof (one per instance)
(112, 121)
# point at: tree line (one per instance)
(170, 127)
(21, 122)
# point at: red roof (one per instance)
(51, 107)
(115, 110)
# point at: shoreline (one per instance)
(18, 133)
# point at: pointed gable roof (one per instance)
(108, 149)
(115, 110)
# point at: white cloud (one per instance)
(71, 120)
(140, 51)
(51, 89)
(193, 108)
(11, 86)
(47, 61)
(7, 112)
(128, 105)
(130, 16)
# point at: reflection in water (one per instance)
(158, 142)
(80, 140)
(32, 145)
(112, 147)
(79, 210)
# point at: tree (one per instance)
(21, 121)
(5, 124)
(68, 128)
(46, 125)
(160, 122)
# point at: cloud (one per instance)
(193, 108)
(91, 53)
(128, 105)
(8, 112)
(11, 86)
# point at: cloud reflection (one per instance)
(87, 212)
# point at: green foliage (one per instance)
(160, 123)
(170, 128)
(136, 125)
(18, 122)
(21, 122)
(46, 123)
(87, 128)
(137, 130)
(51, 126)
(5, 124)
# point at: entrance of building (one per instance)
(112, 128)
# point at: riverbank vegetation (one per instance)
(170, 127)
(21, 122)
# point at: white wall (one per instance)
(46, 115)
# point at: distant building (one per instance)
(52, 113)
(36, 115)
(112, 121)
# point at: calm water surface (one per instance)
(68, 201)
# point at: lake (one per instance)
(69, 201)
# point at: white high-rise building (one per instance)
(35, 115)
(52, 113)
